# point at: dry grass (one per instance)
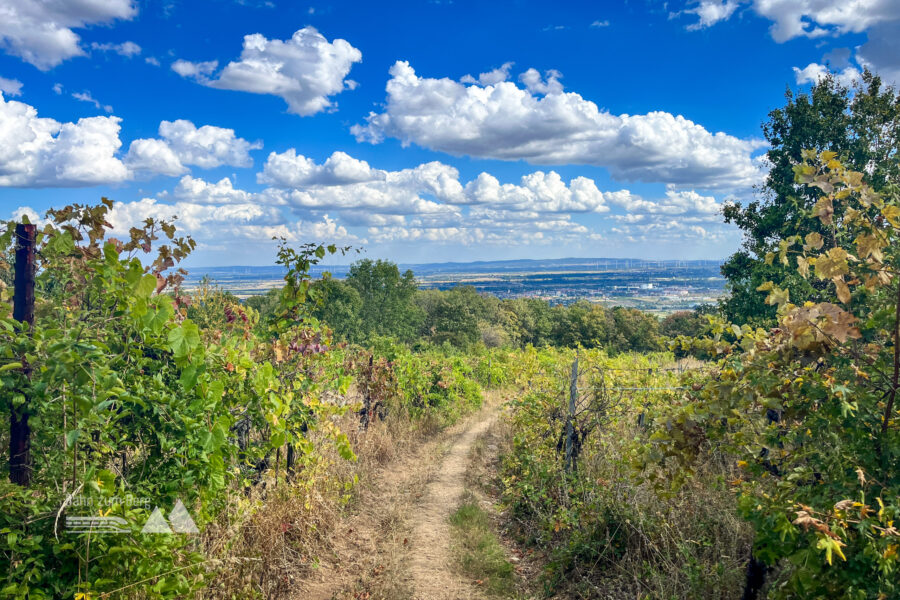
(273, 541)
(632, 541)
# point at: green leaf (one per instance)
(185, 338)
(72, 437)
(146, 286)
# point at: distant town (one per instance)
(656, 286)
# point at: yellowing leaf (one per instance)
(803, 266)
(824, 209)
(892, 214)
(833, 264)
(843, 291)
(830, 545)
(813, 241)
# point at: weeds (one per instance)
(479, 552)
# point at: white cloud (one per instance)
(881, 53)
(182, 143)
(304, 70)
(212, 223)
(41, 152)
(290, 170)
(207, 146)
(598, 23)
(802, 18)
(491, 77)
(711, 12)
(817, 18)
(544, 125)
(154, 156)
(814, 73)
(126, 49)
(223, 192)
(26, 211)
(40, 31)
(199, 70)
(824, 18)
(538, 191)
(536, 84)
(347, 184)
(688, 205)
(86, 97)
(10, 87)
(151, 60)
(57, 88)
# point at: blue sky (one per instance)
(420, 131)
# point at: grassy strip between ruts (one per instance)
(479, 553)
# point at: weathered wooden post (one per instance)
(570, 420)
(23, 311)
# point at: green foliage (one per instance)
(601, 526)
(387, 301)
(479, 552)
(683, 322)
(862, 127)
(809, 408)
(135, 391)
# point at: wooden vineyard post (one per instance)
(23, 311)
(570, 419)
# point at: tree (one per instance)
(340, 308)
(810, 407)
(528, 321)
(453, 317)
(633, 330)
(387, 300)
(579, 324)
(683, 322)
(862, 126)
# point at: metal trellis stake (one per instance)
(570, 420)
(23, 311)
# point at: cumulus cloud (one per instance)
(198, 70)
(543, 125)
(881, 53)
(290, 170)
(181, 143)
(126, 49)
(538, 191)
(304, 70)
(711, 12)
(802, 18)
(210, 223)
(41, 152)
(880, 19)
(198, 191)
(10, 87)
(814, 73)
(40, 31)
(689, 205)
(347, 184)
(492, 77)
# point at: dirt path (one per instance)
(396, 544)
(431, 568)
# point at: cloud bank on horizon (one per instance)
(420, 157)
